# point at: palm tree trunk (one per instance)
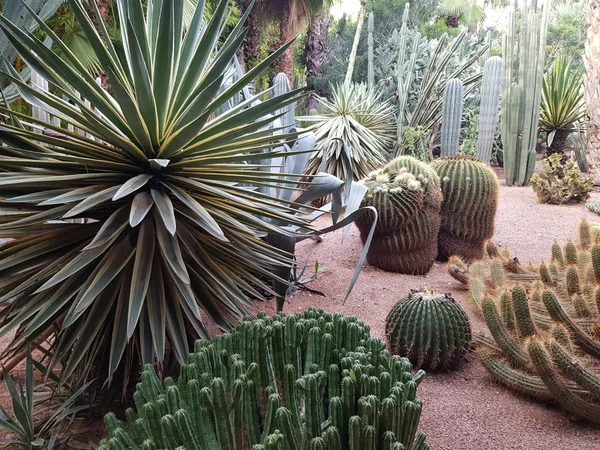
(285, 63)
(316, 50)
(352, 59)
(103, 9)
(592, 87)
(252, 41)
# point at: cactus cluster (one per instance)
(470, 191)
(559, 183)
(544, 322)
(406, 194)
(311, 381)
(430, 329)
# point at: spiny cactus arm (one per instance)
(514, 379)
(452, 108)
(284, 424)
(596, 261)
(355, 433)
(501, 334)
(522, 313)
(585, 236)
(411, 419)
(370, 63)
(561, 392)
(558, 314)
(491, 87)
(572, 368)
(458, 269)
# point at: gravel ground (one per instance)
(463, 410)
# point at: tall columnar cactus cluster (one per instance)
(470, 190)
(406, 194)
(491, 87)
(370, 54)
(522, 88)
(305, 381)
(544, 322)
(430, 329)
(452, 108)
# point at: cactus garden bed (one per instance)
(463, 409)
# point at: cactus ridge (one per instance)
(491, 87)
(544, 324)
(268, 385)
(470, 191)
(430, 329)
(452, 108)
(406, 194)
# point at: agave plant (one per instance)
(357, 116)
(25, 432)
(562, 107)
(127, 230)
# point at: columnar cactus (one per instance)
(370, 43)
(452, 108)
(470, 190)
(544, 323)
(430, 329)
(522, 88)
(491, 87)
(406, 194)
(281, 85)
(305, 381)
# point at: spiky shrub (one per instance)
(357, 115)
(430, 329)
(470, 190)
(406, 194)
(560, 183)
(544, 322)
(309, 380)
(125, 231)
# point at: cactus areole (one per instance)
(304, 381)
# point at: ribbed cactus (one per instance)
(452, 108)
(470, 190)
(522, 88)
(406, 194)
(491, 87)
(430, 329)
(370, 58)
(281, 85)
(543, 323)
(311, 381)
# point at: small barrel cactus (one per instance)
(304, 381)
(406, 194)
(430, 329)
(470, 190)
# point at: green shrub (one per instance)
(311, 380)
(560, 183)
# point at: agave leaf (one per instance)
(140, 207)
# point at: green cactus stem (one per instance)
(491, 87)
(452, 107)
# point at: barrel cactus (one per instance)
(304, 381)
(470, 190)
(406, 194)
(430, 329)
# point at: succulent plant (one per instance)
(406, 194)
(544, 323)
(491, 87)
(470, 190)
(430, 329)
(304, 381)
(452, 107)
(560, 183)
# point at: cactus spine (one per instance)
(370, 43)
(491, 87)
(470, 191)
(406, 194)
(522, 87)
(452, 108)
(430, 329)
(242, 390)
(545, 342)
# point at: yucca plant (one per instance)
(148, 216)
(357, 116)
(562, 107)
